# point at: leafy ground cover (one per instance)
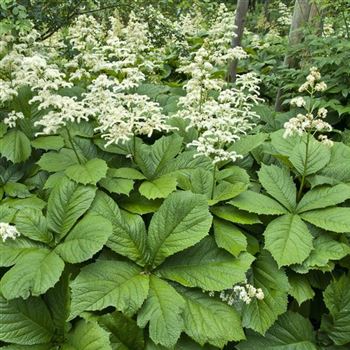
(150, 201)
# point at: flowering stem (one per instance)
(134, 146)
(305, 167)
(73, 147)
(214, 182)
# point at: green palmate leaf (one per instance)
(25, 322)
(260, 315)
(48, 143)
(258, 203)
(283, 145)
(58, 301)
(30, 202)
(34, 273)
(318, 156)
(58, 161)
(197, 180)
(288, 239)
(32, 224)
(67, 202)
(291, 331)
(87, 336)
(226, 190)
(15, 189)
(331, 219)
(186, 161)
(153, 159)
(124, 332)
(181, 221)
(158, 188)
(85, 239)
(12, 250)
(235, 215)
(15, 146)
(129, 231)
(247, 143)
(278, 183)
(322, 197)
(200, 181)
(162, 310)
(115, 185)
(300, 288)
(338, 167)
(89, 173)
(53, 180)
(229, 237)
(6, 213)
(138, 204)
(207, 320)
(206, 266)
(326, 248)
(109, 283)
(337, 300)
(233, 174)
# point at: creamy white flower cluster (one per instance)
(121, 116)
(304, 122)
(122, 51)
(25, 64)
(219, 112)
(220, 121)
(309, 122)
(240, 293)
(97, 55)
(8, 231)
(285, 15)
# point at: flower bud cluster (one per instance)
(313, 82)
(309, 122)
(304, 123)
(8, 231)
(12, 118)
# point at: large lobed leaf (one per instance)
(181, 221)
(34, 273)
(25, 322)
(288, 240)
(291, 331)
(278, 184)
(260, 315)
(337, 300)
(85, 239)
(162, 310)
(129, 231)
(109, 283)
(206, 266)
(68, 201)
(207, 320)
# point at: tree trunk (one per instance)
(300, 18)
(315, 19)
(241, 13)
(266, 10)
